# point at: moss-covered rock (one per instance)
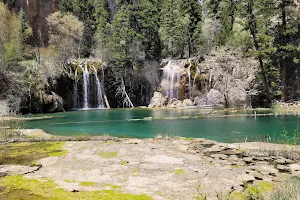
(27, 153)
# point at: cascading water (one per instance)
(189, 76)
(75, 98)
(86, 77)
(171, 79)
(99, 90)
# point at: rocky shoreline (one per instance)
(164, 168)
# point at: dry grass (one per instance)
(10, 128)
(288, 191)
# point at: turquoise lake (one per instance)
(147, 123)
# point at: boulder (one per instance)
(295, 167)
(174, 103)
(215, 97)
(158, 100)
(54, 102)
(200, 101)
(187, 103)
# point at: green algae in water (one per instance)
(49, 190)
(27, 153)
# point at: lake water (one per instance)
(197, 123)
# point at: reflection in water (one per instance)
(146, 123)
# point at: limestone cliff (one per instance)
(36, 13)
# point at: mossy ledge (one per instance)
(35, 189)
(28, 152)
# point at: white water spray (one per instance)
(171, 79)
(86, 76)
(189, 76)
(99, 90)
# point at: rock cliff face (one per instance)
(36, 13)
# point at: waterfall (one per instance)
(171, 79)
(75, 98)
(86, 76)
(172, 83)
(99, 90)
(189, 76)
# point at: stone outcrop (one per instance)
(158, 100)
(36, 13)
(54, 103)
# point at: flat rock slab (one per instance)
(35, 133)
(221, 156)
(163, 159)
(265, 169)
(160, 168)
(294, 167)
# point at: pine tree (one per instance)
(135, 32)
(225, 12)
(287, 42)
(258, 14)
(26, 30)
(179, 26)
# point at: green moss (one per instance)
(252, 192)
(62, 153)
(134, 170)
(70, 181)
(178, 171)
(27, 153)
(48, 190)
(188, 139)
(135, 173)
(266, 186)
(111, 142)
(236, 196)
(88, 184)
(20, 194)
(108, 154)
(124, 163)
(112, 186)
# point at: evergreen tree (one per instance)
(179, 27)
(225, 12)
(26, 30)
(258, 22)
(135, 33)
(287, 41)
